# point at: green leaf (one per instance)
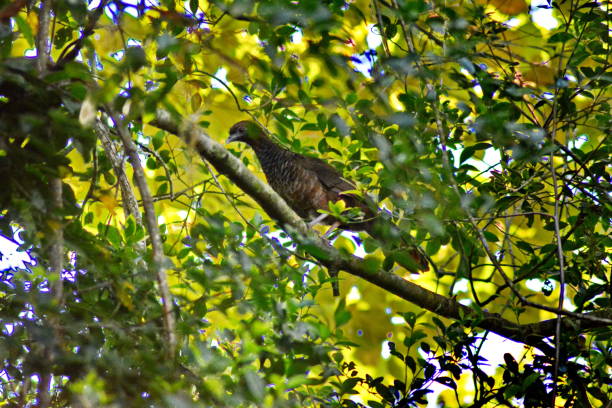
(349, 384)
(255, 385)
(448, 381)
(415, 336)
(130, 228)
(410, 363)
(506, 202)
(113, 235)
(24, 29)
(560, 37)
(135, 58)
(163, 189)
(491, 237)
(322, 121)
(470, 150)
(410, 318)
(524, 246)
(351, 98)
(298, 380)
(341, 315)
(151, 163)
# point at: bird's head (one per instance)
(245, 131)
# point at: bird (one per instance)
(308, 184)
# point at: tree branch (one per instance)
(56, 247)
(277, 209)
(153, 229)
(130, 203)
(72, 50)
(42, 37)
(547, 328)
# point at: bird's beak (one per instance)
(234, 136)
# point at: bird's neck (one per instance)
(269, 153)
(261, 142)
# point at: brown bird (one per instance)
(309, 184)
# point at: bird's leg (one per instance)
(331, 229)
(317, 220)
(333, 274)
(333, 271)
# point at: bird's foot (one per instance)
(317, 220)
(331, 229)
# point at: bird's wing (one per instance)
(327, 175)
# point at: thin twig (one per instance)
(164, 165)
(128, 197)
(94, 181)
(503, 216)
(381, 28)
(71, 51)
(553, 137)
(57, 247)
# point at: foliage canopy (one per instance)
(165, 273)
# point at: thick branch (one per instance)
(276, 208)
(42, 37)
(546, 328)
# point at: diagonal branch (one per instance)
(130, 203)
(277, 209)
(150, 219)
